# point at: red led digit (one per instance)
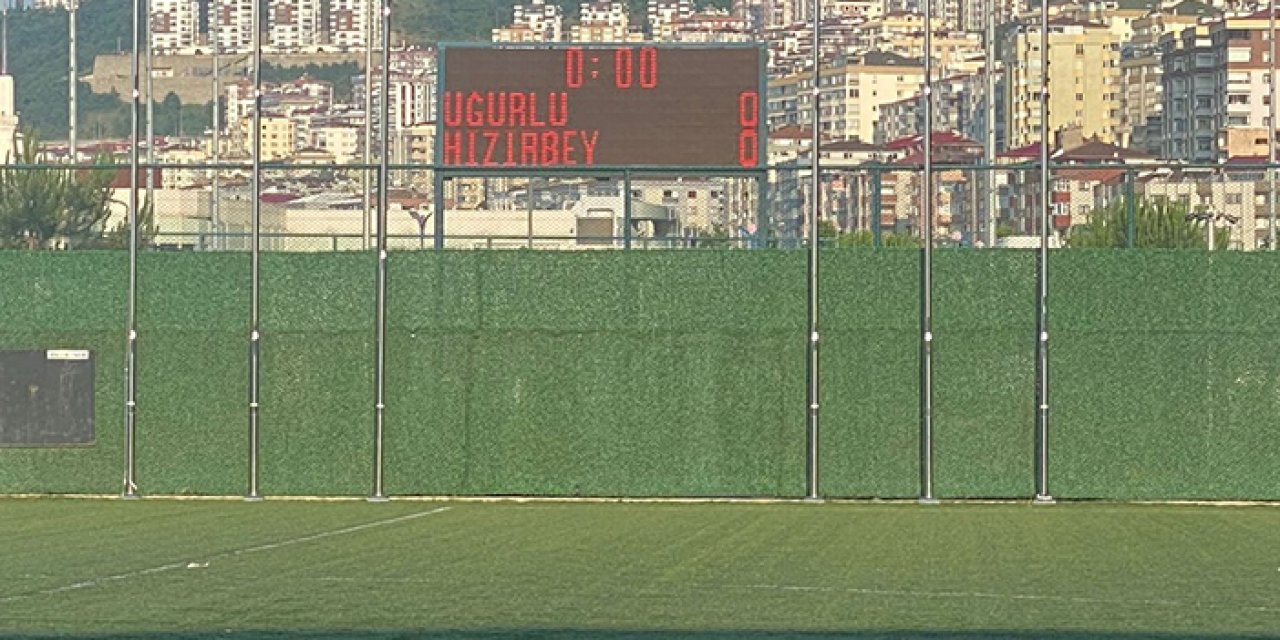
(748, 109)
(748, 148)
(573, 67)
(622, 66)
(648, 67)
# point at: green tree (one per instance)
(40, 204)
(1157, 224)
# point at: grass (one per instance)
(170, 569)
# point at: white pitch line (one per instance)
(94, 582)
(1006, 596)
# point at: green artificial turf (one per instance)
(163, 569)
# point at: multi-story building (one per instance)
(294, 25)
(353, 24)
(1142, 107)
(232, 25)
(601, 21)
(712, 26)
(1192, 95)
(853, 91)
(278, 139)
(662, 16)
(1242, 44)
(953, 110)
(341, 140)
(174, 24)
(536, 21)
(1083, 80)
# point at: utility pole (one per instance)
(811, 361)
(1042, 276)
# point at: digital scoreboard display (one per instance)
(610, 105)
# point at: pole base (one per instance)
(814, 500)
(1043, 499)
(377, 499)
(928, 501)
(253, 498)
(130, 496)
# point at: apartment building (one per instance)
(295, 25)
(1083, 80)
(601, 21)
(1142, 107)
(278, 136)
(852, 94)
(712, 27)
(233, 25)
(662, 16)
(354, 24)
(174, 25)
(1242, 44)
(1193, 99)
(535, 21)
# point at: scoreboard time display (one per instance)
(610, 105)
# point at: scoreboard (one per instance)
(614, 105)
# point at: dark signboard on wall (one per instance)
(46, 398)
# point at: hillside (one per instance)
(38, 58)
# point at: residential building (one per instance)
(1083, 80)
(278, 139)
(294, 25)
(1242, 44)
(350, 22)
(662, 16)
(341, 140)
(1193, 100)
(231, 24)
(174, 24)
(601, 21)
(853, 91)
(535, 21)
(9, 143)
(1142, 107)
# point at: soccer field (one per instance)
(189, 569)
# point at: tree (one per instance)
(41, 204)
(1156, 224)
(868, 239)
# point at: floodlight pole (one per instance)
(380, 339)
(215, 213)
(811, 361)
(1271, 127)
(993, 214)
(73, 71)
(1042, 276)
(926, 272)
(370, 18)
(131, 354)
(255, 249)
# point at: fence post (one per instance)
(626, 209)
(1130, 210)
(876, 190)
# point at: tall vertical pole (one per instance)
(1271, 128)
(993, 211)
(811, 362)
(151, 114)
(926, 270)
(380, 339)
(131, 354)
(255, 249)
(370, 19)
(72, 74)
(215, 212)
(1042, 276)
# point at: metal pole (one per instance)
(877, 189)
(926, 272)
(1042, 276)
(529, 216)
(215, 213)
(1130, 210)
(1271, 129)
(73, 72)
(811, 368)
(993, 213)
(626, 208)
(151, 115)
(370, 19)
(131, 354)
(380, 337)
(255, 249)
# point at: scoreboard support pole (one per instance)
(626, 210)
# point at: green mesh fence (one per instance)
(665, 373)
